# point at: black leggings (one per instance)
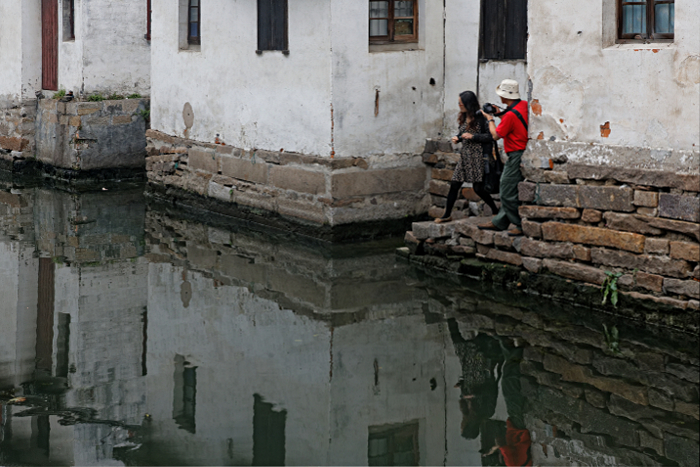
(478, 189)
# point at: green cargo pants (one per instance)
(508, 214)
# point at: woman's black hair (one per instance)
(471, 102)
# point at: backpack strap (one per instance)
(520, 117)
(517, 114)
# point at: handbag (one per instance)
(493, 169)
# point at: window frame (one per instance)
(650, 23)
(194, 40)
(390, 38)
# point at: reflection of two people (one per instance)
(485, 362)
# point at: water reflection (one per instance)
(130, 335)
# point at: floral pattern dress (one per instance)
(470, 167)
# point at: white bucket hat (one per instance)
(508, 89)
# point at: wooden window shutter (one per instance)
(503, 34)
(272, 25)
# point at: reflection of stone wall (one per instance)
(306, 276)
(597, 399)
(90, 227)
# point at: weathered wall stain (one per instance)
(536, 107)
(605, 130)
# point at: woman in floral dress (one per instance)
(476, 143)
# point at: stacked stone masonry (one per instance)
(441, 158)
(315, 190)
(581, 223)
(17, 130)
(92, 135)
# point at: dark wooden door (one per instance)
(49, 44)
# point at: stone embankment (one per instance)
(16, 133)
(583, 223)
(320, 192)
(75, 140)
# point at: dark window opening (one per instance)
(273, 25)
(68, 20)
(393, 21)
(194, 12)
(148, 20)
(393, 444)
(646, 19)
(503, 31)
(268, 433)
(185, 394)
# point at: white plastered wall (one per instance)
(20, 48)
(649, 93)
(269, 101)
(109, 53)
(409, 108)
(461, 55)
(272, 101)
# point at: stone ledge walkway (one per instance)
(461, 247)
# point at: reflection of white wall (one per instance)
(408, 355)
(241, 345)
(19, 272)
(106, 304)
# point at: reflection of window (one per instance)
(272, 25)
(185, 395)
(393, 21)
(268, 433)
(62, 345)
(393, 444)
(646, 19)
(503, 31)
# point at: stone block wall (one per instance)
(16, 132)
(441, 158)
(317, 191)
(585, 221)
(85, 136)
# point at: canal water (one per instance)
(132, 333)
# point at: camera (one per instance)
(488, 108)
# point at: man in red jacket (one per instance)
(513, 131)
